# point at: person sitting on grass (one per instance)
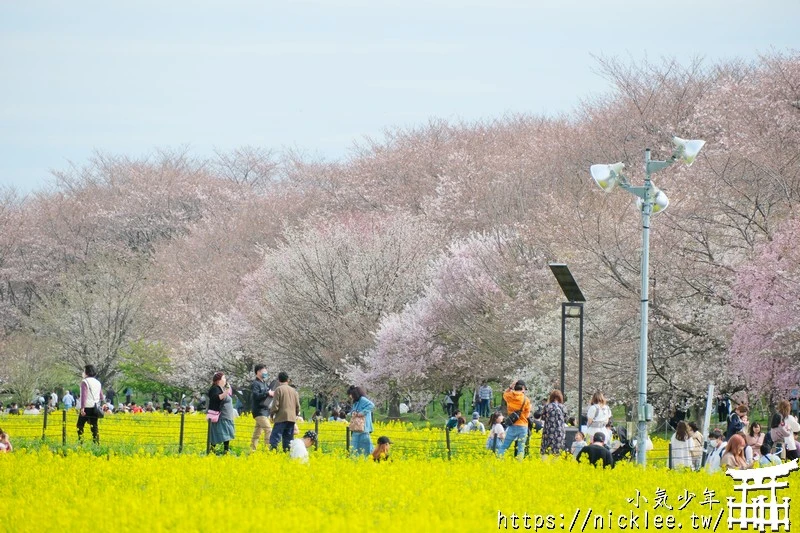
(475, 425)
(5, 443)
(298, 448)
(578, 444)
(768, 458)
(381, 451)
(597, 451)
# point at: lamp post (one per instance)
(651, 200)
(571, 309)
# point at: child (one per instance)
(5, 443)
(298, 448)
(381, 451)
(578, 444)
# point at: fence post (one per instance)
(669, 460)
(316, 430)
(347, 439)
(64, 427)
(494, 443)
(180, 439)
(208, 439)
(447, 434)
(44, 425)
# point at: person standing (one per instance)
(285, 409)
(485, 396)
(553, 432)
(68, 400)
(518, 406)
(597, 416)
(91, 395)
(362, 406)
(681, 445)
(261, 402)
(219, 399)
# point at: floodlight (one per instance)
(659, 198)
(606, 176)
(687, 150)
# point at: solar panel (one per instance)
(567, 282)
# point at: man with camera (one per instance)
(518, 407)
(261, 402)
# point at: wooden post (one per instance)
(180, 439)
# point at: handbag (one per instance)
(212, 416)
(358, 423)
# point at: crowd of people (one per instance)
(276, 409)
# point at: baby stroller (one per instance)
(627, 448)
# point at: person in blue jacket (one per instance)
(360, 441)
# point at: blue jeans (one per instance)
(282, 431)
(484, 407)
(514, 433)
(360, 443)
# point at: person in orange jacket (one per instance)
(519, 409)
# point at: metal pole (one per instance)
(707, 417)
(563, 345)
(64, 427)
(580, 371)
(447, 437)
(647, 208)
(316, 430)
(44, 426)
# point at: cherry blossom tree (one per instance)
(478, 318)
(317, 298)
(765, 348)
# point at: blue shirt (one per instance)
(363, 405)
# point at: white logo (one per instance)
(758, 511)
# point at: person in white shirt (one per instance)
(681, 446)
(597, 416)
(298, 448)
(497, 433)
(30, 409)
(716, 440)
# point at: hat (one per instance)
(384, 440)
(475, 415)
(310, 435)
(599, 437)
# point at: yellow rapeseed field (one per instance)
(127, 484)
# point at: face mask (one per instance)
(713, 442)
(264, 376)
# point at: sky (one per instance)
(318, 76)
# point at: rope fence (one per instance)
(188, 433)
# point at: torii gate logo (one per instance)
(758, 511)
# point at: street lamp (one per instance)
(651, 200)
(571, 309)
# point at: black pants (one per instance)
(281, 431)
(82, 419)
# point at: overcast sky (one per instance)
(128, 77)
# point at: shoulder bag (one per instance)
(358, 423)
